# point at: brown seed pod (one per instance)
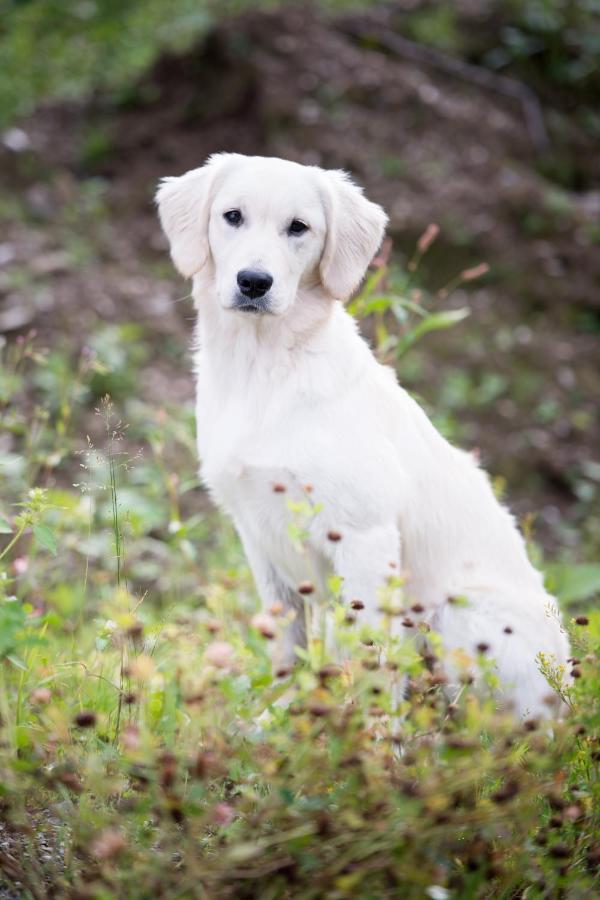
(306, 587)
(482, 647)
(418, 608)
(408, 622)
(279, 488)
(357, 604)
(505, 793)
(283, 671)
(334, 536)
(582, 620)
(576, 673)
(560, 851)
(507, 630)
(86, 718)
(329, 671)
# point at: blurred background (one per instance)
(480, 116)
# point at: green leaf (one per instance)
(45, 538)
(435, 322)
(572, 583)
(5, 527)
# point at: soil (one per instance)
(81, 243)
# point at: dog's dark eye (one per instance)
(297, 227)
(234, 217)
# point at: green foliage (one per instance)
(51, 49)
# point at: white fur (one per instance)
(296, 397)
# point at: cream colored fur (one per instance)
(294, 396)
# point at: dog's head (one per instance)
(266, 228)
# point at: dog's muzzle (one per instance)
(253, 286)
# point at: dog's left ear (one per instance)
(184, 207)
(355, 229)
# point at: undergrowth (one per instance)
(143, 751)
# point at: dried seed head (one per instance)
(306, 587)
(428, 237)
(130, 698)
(108, 844)
(329, 671)
(357, 604)
(131, 737)
(334, 536)
(223, 814)
(70, 780)
(482, 647)
(265, 624)
(582, 620)
(279, 488)
(475, 272)
(418, 608)
(194, 699)
(408, 623)
(560, 851)
(369, 664)
(135, 631)
(576, 673)
(86, 718)
(219, 654)
(40, 696)
(508, 630)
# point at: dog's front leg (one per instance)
(366, 560)
(276, 594)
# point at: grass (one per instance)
(143, 752)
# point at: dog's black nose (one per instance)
(253, 283)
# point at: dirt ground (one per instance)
(81, 245)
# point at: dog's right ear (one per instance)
(184, 207)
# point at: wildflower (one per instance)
(40, 696)
(265, 624)
(219, 654)
(20, 565)
(223, 814)
(131, 737)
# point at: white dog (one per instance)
(290, 396)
